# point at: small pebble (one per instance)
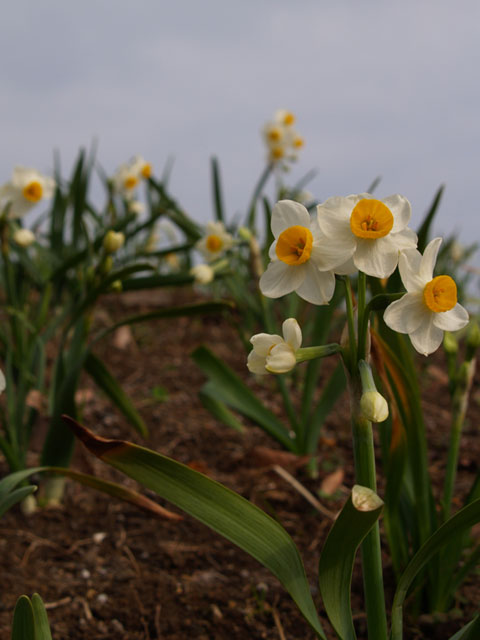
(102, 598)
(85, 574)
(99, 537)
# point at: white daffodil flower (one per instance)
(23, 237)
(281, 138)
(430, 305)
(26, 188)
(274, 354)
(141, 166)
(364, 233)
(215, 241)
(296, 256)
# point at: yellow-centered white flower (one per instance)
(215, 241)
(430, 305)
(141, 166)
(364, 233)
(128, 176)
(26, 188)
(274, 354)
(281, 138)
(296, 256)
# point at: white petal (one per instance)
(334, 215)
(375, 258)
(281, 359)
(429, 259)
(280, 279)
(409, 267)
(451, 320)
(292, 333)
(427, 338)
(263, 342)
(288, 213)
(405, 239)
(329, 253)
(272, 252)
(256, 364)
(401, 210)
(318, 286)
(406, 315)
(347, 268)
(3, 382)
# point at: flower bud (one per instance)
(24, 237)
(374, 406)
(116, 286)
(203, 273)
(113, 241)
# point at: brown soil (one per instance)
(107, 570)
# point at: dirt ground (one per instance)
(108, 570)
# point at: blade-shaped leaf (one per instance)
(42, 627)
(15, 496)
(23, 622)
(231, 390)
(208, 397)
(463, 519)
(223, 510)
(359, 514)
(217, 191)
(110, 386)
(470, 631)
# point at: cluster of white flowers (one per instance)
(128, 176)
(26, 188)
(282, 139)
(360, 232)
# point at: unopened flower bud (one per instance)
(117, 286)
(244, 233)
(203, 273)
(113, 241)
(24, 237)
(374, 406)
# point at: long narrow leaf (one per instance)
(463, 519)
(224, 511)
(17, 495)
(470, 631)
(111, 387)
(359, 514)
(42, 627)
(217, 191)
(231, 390)
(23, 627)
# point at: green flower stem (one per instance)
(362, 314)
(365, 475)
(352, 343)
(460, 403)
(309, 353)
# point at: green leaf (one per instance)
(17, 495)
(463, 519)
(110, 386)
(23, 627)
(152, 282)
(226, 512)
(424, 230)
(232, 391)
(358, 516)
(217, 191)
(42, 627)
(218, 409)
(470, 631)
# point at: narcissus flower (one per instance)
(203, 273)
(274, 354)
(281, 138)
(430, 305)
(365, 233)
(23, 237)
(215, 241)
(26, 188)
(297, 262)
(140, 165)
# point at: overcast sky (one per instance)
(378, 88)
